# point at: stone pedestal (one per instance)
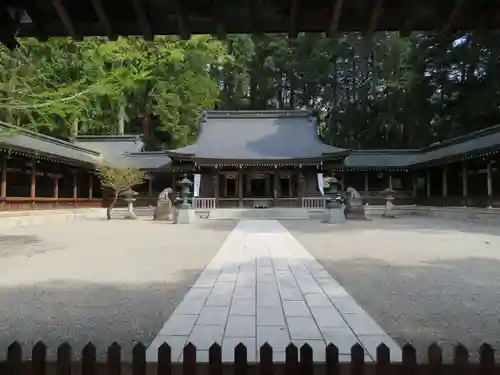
(334, 215)
(163, 210)
(355, 211)
(388, 209)
(184, 216)
(130, 215)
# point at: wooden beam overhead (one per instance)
(256, 11)
(292, 28)
(65, 19)
(375, 15)
(412, 14)
(219, 18)
(181, 20)
(103, 19)
(142, 19)
(452, 17)
(337, 11)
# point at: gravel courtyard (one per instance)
(423, 280)
(99, 281)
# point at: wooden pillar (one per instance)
(174, 186)
(275, 188)
(56, 187)
(150, 186)
(489, 181)
(427, 183)
(216, 189)
(342, 181)
(300, 187)
(445, 183)
(240, 188)
(3, 179)
(33, 183)
(366, 182)
(91, 186)
(75, 187)
(390, 180)
(414, 180)
(464, 183)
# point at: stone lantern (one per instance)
(129, 197)
(185, 184)
(334, 212)
(184, 213)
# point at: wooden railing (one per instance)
(297, 361)
(203, 203)
(43, 203)
(313, 202)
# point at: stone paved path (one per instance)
(264, 286)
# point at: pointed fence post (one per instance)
(383, 360)
(164, 359)
(89, 359)
(14, 359)
(114, 359)
(64, 359)
(409, 360)
(189, 359)
(291, 360)
(139, 359)
(38, 358)
(435, 355)
(306, 360)
(215, 359)
(266, 360)
(332, 360)
(357, 360)
(240, 360)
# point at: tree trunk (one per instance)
(111, 206)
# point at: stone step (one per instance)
(258, 214)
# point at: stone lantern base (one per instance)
(184, 216)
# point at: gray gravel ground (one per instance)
(98, 280)
(423, 280)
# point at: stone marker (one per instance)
(354, 209)
(163, 210)
(334, 210)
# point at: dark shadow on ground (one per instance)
(423, 225)
(79, 312)
(443, 301)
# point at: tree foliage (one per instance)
(372, 91)
(118, 180)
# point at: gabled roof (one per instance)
(13, 138)
(277, 135)
(125, 150)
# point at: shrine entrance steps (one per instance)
(257, 214)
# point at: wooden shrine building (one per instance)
(246, 159)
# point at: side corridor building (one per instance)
(248, 156)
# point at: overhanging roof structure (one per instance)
(78, 18)
(242, 137)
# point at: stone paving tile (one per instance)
(362, 324)
(179, 325)
(303, 328)
(242, 307)
(259, 275)
(240, 326)
(296, 308)
(270, 316)
(213, 315)
(328, 317)
(318, 300)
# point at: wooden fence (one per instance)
(64, 365)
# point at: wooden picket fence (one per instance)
(64, 365)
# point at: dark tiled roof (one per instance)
(124, 151)
(258, 136)
(478, 142)
(148, 160)
(380, 158)
(19, 139)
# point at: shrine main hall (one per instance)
(244, 159)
